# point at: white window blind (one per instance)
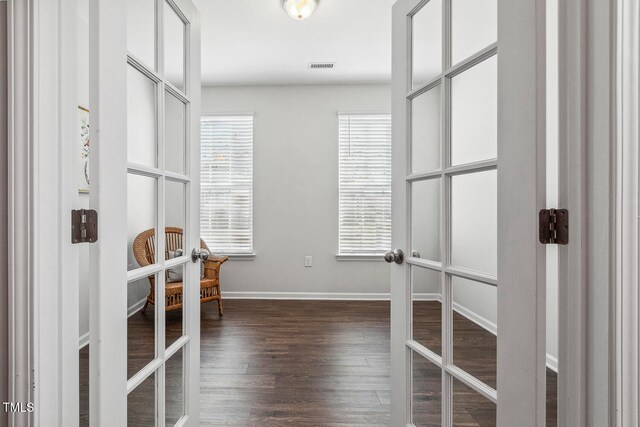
(227, 183)
(365, 184)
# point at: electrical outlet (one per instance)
(307, 261)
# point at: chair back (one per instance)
(144, 245)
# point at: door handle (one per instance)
(396, 256)
(199, 255)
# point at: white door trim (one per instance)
(627, 194)
(43, 279)
(587, 176)
(19, 129)
(4, 301)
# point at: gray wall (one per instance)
(4, 309)
(296, 187)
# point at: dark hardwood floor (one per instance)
(309, 363)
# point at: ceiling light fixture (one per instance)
(300, 9)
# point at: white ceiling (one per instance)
(251, 42)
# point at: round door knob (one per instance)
(396, 256)
(199, 254)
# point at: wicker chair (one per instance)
(144, 251)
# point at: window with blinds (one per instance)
(365, 184)
(227, 183)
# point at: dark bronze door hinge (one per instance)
(84, 226)
(554, 226)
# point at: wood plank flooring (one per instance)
(309, 363)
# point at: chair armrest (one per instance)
(212, 266)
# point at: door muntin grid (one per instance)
(445, 175)
(168, 179)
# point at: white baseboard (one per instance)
(484, 323)
(307, 296)
(552, 362)
(427, 297)
(136, 307)
(333, 296)
(84, 339)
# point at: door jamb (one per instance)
(587, 176)
(43, 279)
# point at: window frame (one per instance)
(233, 255)
(363, 256)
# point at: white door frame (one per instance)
(4, 306)
(43, 271)
(587, 176)
(627, 303)
(40, 121)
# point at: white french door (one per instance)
(145, 110)
(468, 182)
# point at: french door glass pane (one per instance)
(141, 30)
(173, 295)
(470, 408)
(475, 318)
(425, 219)
(174, 134)
(141, 404)
(175, 208)
(427, 43)
(427, 308)
(425, 131)
(141, 327)
(474, 227)
(426, 397)
(174, 388)
(141, 118)
(142, 207)
(174, 50)
(474, 113)
(474, 26)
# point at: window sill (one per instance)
(355, 257)
(239, 257)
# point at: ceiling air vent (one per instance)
(322, 65)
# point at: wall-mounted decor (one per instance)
(83, 150)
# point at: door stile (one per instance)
(161, 220)
(521, 188)
(191, 355)
(108, 327)
(69, 304)
(400, 279)
(445, 223)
